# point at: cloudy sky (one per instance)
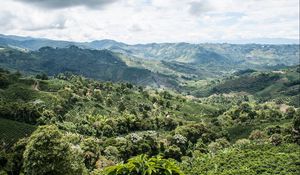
(144, 21)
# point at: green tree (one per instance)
(112, 153)
(16, 159)
(4, 81)
(42, 76)
(48, 153)
(296, 127)
(91, 152)
(257, 136)
(98, 95)
(121, 107)
(173, 152)
(290, 112)
(275, 139)
(191, 131)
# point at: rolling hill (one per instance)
(229, 56)
(156, 64)
(282, 86)
(98, 64)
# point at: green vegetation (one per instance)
(46, 145)
(248, 159)
(217, 55)
(173, 65)
(69, 124)
(281, 86)
(12, 131)
(98, 64)
(140, 165)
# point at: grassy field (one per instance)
(12, 131)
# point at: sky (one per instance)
(146, 21)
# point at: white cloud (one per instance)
(136, 21)
(199, 7)
(58, 4)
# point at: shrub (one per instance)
(275, 139)
(257, 135)
(241, 143)
(142, 165)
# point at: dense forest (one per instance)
(245, 123)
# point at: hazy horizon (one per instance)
(154, 21)
(271, 41)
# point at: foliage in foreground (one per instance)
(47, 153)
(142, 165)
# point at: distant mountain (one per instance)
(156, 64)
(273, 41)
(31, 43)
(98, 64)
(255, 55)
(106, 44)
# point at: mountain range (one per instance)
(155, 64)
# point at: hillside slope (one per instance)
(103, 125)
(282, 85)
(223, 56)
(98, 64)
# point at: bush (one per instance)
(275, 139)
(241, 143)
(91, 152)
(142, 165)
(173, 152)
(257, 135)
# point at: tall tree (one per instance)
(48, 153)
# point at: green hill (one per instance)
(204, 60)
(98, 64)
(281, 85)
